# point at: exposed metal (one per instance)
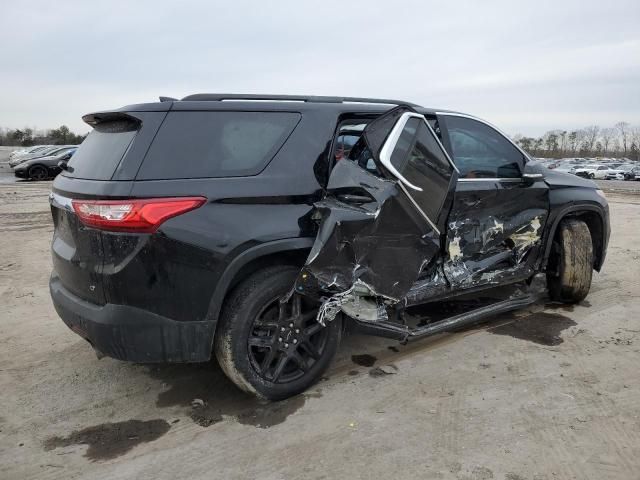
(367, 261)
(405, 333)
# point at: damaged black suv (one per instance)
(256, 227)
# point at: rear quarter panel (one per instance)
(177, 271)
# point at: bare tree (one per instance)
(623, 130)
(615, 145)
(635, 143)
(537, 144)
(606, 134)
(590, 136)
(563, 141)
(573, 141)
(578, 141)
(551, 141)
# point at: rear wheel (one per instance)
(38, 172)
(571, 262)
(270, 348)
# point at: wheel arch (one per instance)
(291, 251)
(594, 217)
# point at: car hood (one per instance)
(556, 179)
(560, 179)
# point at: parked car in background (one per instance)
(27, 151)
(614, 174)
(632, 173)
(599, 172)
(47, 152)
(42, 168)
(565, 168)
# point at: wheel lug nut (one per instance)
(286, 345)
(282, 329)
(291, 325)
(295, 340)
(297, 330)
(279, 339)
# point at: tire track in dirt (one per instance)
(25, 221)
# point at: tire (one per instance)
(258, 348)
(592, 176)
(38, 172)
(571, 262)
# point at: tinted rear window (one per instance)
(101, 152)
(216, 144)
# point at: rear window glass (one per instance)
(216, 144)
(100, 153)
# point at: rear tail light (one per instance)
(134, 215)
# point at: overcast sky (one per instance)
(527, 66)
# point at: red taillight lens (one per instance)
(135, 215)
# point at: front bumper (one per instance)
(132, 334)
(20, 173)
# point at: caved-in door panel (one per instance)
(377, 232)
(381, 244)
(494, 229)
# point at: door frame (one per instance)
(392, 141)
(385, 159)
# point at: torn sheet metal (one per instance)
(486, 250)
(374, 250)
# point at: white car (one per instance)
(599, 172)
(27, 151)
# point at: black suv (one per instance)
(259, 227)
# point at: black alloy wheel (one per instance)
(38, 172)
(272, 348)
(286, 340)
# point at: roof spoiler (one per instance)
(97, 118)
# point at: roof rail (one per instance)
(167, 99)
(292, 98)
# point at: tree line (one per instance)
(26, 137)
(619, 141)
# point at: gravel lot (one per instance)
(546, 393)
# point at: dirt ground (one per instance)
(547, 393)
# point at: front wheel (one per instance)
(570, 265)
(269, 348)
(592, 176)
(38, 172)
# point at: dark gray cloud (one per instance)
(525, 66)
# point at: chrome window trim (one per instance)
(494, 179)
(392, 140)
(389, 146)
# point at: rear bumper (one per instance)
(132, 334)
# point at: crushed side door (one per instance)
(495, 229)
(380, 219)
